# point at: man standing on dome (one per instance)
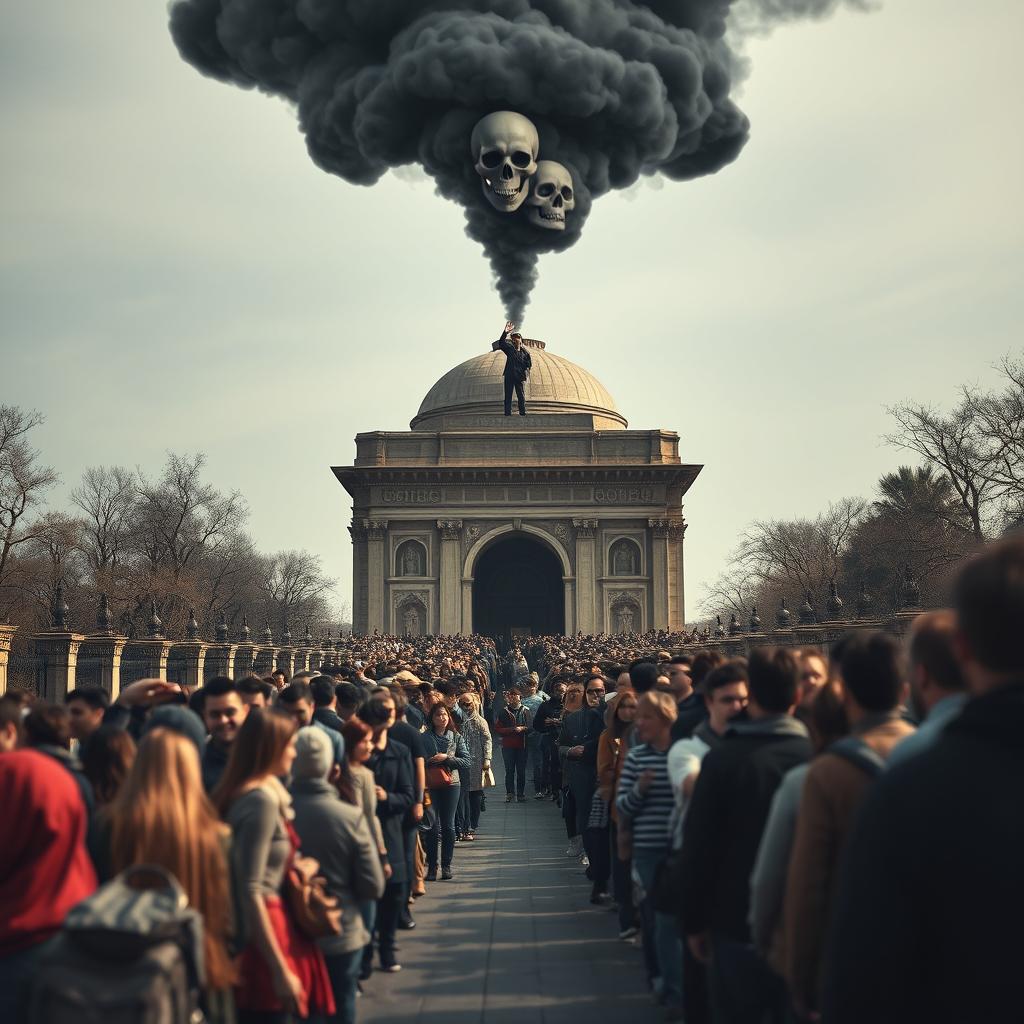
(517, 366)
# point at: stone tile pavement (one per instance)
(513, 938)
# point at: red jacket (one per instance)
(44, 866)
(506, 724)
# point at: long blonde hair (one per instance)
(161, 815)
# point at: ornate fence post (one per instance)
(105, 647)
(190, 655)
(6, 636)
(57, 648)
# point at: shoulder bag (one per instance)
(313, 909)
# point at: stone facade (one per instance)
(606, 500)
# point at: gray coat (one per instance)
(478, 740)
(338, 836)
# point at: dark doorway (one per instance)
(518, 585)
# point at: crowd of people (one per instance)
(793, 836)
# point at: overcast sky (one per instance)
(178, 275)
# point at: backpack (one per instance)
(857, 752)
(125, 955)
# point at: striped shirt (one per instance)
(649, 812)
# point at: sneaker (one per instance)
(585, 861)
(628, 933)
(391, 968)
(509, 798)
(540, 796)
(446, 874)
(431, 875)
(407, 926)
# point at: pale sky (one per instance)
(177, 274)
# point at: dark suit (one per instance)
(516, 373)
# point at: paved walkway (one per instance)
(513, 938)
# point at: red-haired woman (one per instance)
(282, 971)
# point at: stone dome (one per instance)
(556, 387)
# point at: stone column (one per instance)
(58, 651)
(377, 571)
(193, 662)
(659, 573)
(359, 619)
(6, 636)
(467, 604)
(569, 599)
(106, 648)
(451, 576)
(677, 596)
(586, 578)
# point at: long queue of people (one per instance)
(789, 837)
(799, 835)
(297, 819)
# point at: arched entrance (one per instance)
(517, 588)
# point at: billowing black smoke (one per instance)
(616, 89)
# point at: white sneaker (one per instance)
(585, 861)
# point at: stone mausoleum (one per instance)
(564, 521)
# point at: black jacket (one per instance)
(517, 364)
(690, 713)
(931, 893)
(546, 719)
(328, 717)
(725, 818)
(214, 761)
(582, 728)
(392, 770)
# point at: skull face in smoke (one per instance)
(505, 146)
(615, 89)
(551, 196)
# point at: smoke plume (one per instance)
(617, 89)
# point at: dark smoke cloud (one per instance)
(616, 89)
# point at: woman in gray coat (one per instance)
(338, 836)
(478, 742)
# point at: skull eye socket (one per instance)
(545, 190)
(566, 193)
(492, 158)
(521, 159)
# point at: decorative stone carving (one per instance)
(624, 557)
(472, 533)
(154, 628)
(410, 559)
(192, 626)
(585, 527)
(411, 613)
(59, 611)
(376, 529)
(357, 531)
(660, 527)
(677, 530)
(104, 620)
(626, 613)
(561, 531)
(449, 528)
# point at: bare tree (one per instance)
(22, 483)
(107, 497)
(295, 579)
(181, 516)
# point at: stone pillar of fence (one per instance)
(106, 650)
(220, 661)
(6, 636)
(57, 653)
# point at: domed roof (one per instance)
(556, 386)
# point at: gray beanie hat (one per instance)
(313, 753)
(180, 719)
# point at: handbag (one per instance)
(598, 813)
(438, 777)
(488, 778)
(313, 909)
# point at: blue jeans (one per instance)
(445, 801)
(515, 762)
(660, 929)
(343, 969)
